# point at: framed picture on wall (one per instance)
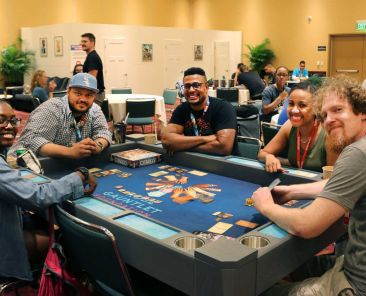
(59, 51)
(147, 52)
(198, 52)
(43, 49)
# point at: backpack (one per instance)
(55, 279)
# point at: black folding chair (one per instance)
(228, 94)
(93, 249)
(26, 103)
(269, 130)
(141, 112)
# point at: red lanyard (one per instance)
(300, 163)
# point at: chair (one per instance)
(248, 147)
(14, 90)
(59, 94)
(228, 94)
(249, 126)
(140, 112)
(269, 130)
(121, 91)
(170, 97)
(25, 103)
(93, 249)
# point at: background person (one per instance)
(69, 127)
(234, 76)
(93, 64)
(300, 73)
(78, 68)
(252, 82)
(17, 193)
(40, 88)
(303, 136)
(202, 123)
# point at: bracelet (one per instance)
(100, 145)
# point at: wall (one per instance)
(143, 77)
(284, 22)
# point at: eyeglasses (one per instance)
(195, 85)
(13, 121)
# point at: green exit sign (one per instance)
(361, 26)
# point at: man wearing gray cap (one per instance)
(68, 127)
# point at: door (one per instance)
(222, 60)
(115, 69)
(173, 71)
(348, 55)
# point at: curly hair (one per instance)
(35, 79)
(346, 88)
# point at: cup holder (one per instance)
(255, 242)
(189, 242)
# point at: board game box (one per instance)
(136, 157)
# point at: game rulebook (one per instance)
(135, 158)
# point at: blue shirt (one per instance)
(16, 193)
(40, 93)
(298, 73)
(282, 118)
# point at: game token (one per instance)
(249, 202)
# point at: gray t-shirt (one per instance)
(347, 187)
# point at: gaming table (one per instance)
(164, 217)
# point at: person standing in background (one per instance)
(93, 64)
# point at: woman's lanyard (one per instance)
(300, 163)
(78, 127)
(193, 119)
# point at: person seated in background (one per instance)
(39, 87)
(78, 68)
(274, 95)
(71, 126)
(202, 124)
(234, 76)
(341, 105)
(17, 193)
(252, 82)
(270, 72)
(308, 146)
(300, 73)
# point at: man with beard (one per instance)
(68, 127)
(202, 124)
(341, 104)
(17, 193)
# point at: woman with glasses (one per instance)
(41, 88)
(302, 134)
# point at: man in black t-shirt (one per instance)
(201, 124)
(252, 82)
(93, 64)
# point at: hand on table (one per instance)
(262, 199)
(273, 165)
(83, 148)
(281, 194)
(89, 185)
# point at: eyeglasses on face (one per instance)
(13, 121)
(195, 85)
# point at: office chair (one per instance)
(93, 249)
(121, 91)
(140, 112)
(248, 147)
(269, 130)
(228, 94)
(25, 103)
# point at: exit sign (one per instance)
(361, 26)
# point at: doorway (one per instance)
(222, 60)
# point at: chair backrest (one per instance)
(269, 130)
(138, 108)
(228, 94)
(25, 103)
(59, 94)
(249, 126)
(14, 90)
(93, 249)
(121, 91)
(248, 147)
(61, 83)
(170, 96)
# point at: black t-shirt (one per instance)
(93, 62)
(220, 115)
(252, 81)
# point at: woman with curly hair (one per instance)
(39, 87)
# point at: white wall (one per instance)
(143, 77)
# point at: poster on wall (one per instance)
(198, 52)
(43, 47)
(59, 52)
(147, 52)
(77, 56)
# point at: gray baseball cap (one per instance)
(84, 80)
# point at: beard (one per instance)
(337, 144)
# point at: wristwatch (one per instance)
(100, 145)
(84, 171)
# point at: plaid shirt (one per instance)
(53, 122)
